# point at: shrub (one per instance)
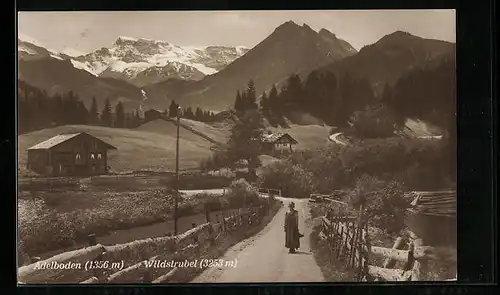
(293, 180)
(364, 185)
(211, 202)
(384, 205)
(242, 194)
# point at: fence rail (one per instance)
(128, 263)
(349, 242)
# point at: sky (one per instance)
(87, 31)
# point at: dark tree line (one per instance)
(38, 110)
(426, 93)
(198, 114)
(323, 95)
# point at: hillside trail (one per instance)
(264, 258)
(334, 138)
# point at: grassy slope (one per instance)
(136, 149)
(166, 127)
(152, 145)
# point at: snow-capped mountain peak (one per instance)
(141, 61)
(26, 41)
(72, 52)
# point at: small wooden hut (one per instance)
(277, 143)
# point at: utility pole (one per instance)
(176, 217)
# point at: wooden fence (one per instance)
(269, 191)
(127, 263)
(349, 241)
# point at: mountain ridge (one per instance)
(393, 54)
(289, 48)
(141, 61)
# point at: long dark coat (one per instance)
(292, 238)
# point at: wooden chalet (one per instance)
(277, 143)
(153, 114)
(432, 216)
(70, 154)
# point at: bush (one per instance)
(293, 180)
(384, 205)
(416, 164)
(242, 194)
(364, 185)
(211, 202)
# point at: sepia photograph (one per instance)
(201, 147)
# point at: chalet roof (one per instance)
(58, 139)
(436, 203)
(154, 110)
(274, 137)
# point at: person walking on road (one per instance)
(292, 234)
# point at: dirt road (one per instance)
(264, 258)
(334, 138)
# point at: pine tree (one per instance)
(244, 141)
(83, 114)
(238, 103)
(119, 115)
(330, 102)
(274, 106)
(93, 113)
(106, 114)
(188, 113)
(251, 97)
(57, 110)
(198, 115)
(244, 101)
(264, 104)
(172, 109)
(294, 92)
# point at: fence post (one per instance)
(223, 224)
(335, 230)
(341, 240)
(389, 263)
(207, 213)
(355, 232)
(411, 259)
(357, 249)
(92, 240)
(419, 266)
(360, 253)
(367, 254)
(345, 249)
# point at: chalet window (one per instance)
(99, 156)
(78, 157)
(92, 156)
